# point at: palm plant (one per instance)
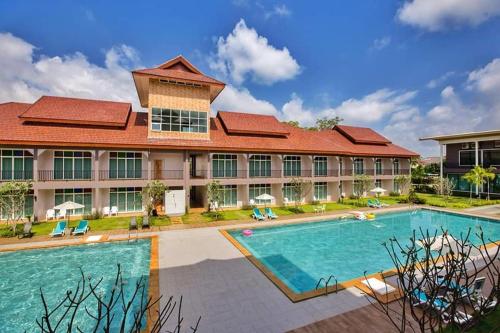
(489, 174)
(478, 176)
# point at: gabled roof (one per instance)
(361, 134)
(63, 110)
(245, 123)
(177, 69)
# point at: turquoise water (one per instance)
(301, 254)
(56, 270)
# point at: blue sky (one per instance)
(407, 69)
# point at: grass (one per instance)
(490, 324)
(455, 202)
(108, 223)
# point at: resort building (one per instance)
(465, 150)
(102, 153)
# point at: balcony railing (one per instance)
(122, 174)
(266, 174)
(297, 173)
(383, 172)
(346, 172)
(401, 172)
(222, 174)
(327, 173)
(7, 176)
(168, 174)
(71, 175)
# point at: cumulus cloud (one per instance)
(26, 76)
(241, 100)
(435, 15)
(434, 83)
(486, 79)
(244, 53)
(294, 109)
(278, 10)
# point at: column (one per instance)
(441, 168)
(476, 144)
(185, 177)
(35, 166)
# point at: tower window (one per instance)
(169, 120)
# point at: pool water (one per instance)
(301, 254)
(56, 270)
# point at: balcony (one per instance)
(402, 172)
(12, 175)
(266, 174)
(168, 174)
(122, 174)
(367, 172)
(297, 173)
(346, 172)
(383, 172)
(327, 173)
(71, 175)
(229, 174)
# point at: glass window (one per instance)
(467, 157)
(320, 191)
(260, 166)
(16, 164)
(320, 166)
(28, 207)
(491, 157)
(291, 166)
(127, 199)
(395, 166)
(257, 189)
(229, 195)
(72, 165)
(378, 183)
(125, 165)
(170, 120)
(378, 166)
(357, 188)
(358, 166)
(288, 191)
(78, 195)
(224, 166)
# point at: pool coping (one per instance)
(298, 297)
(154, 280)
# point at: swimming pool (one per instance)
(57, 270)
(301, 254)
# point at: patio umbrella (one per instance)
(69, 206)
(378, 190)
(265, 197)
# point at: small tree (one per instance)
(153, 195)
(445, 187)
(300, 188)
(404, 183)
(362, 184)
(476, 176)
(327, 123)
(215, 197)
(489, 175)
(12, 201)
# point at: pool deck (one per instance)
(230, 294)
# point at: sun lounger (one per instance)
(258, 215)
(372, 204)
(270, 214)
(82, 228)
(26, 230)
(380, 287)
(145, 222)
(421, 298)
(380, 204)
(460, 318)
(59, 230)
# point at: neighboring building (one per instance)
(102, 154)
(464, 151)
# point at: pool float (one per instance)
(247, 232)
(359, 215)
(370, 216)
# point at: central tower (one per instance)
(178, 97)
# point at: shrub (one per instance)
(394, 194)
(95, 215)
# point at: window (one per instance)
(357, 188)
(396, 187)
(378, 166)
(28, 207)
(320, 166)
(460, 183)
(127, 199)
(260, 166)
(395, 166)
(257, 189)
(125, 165)
(288, 192)
(378, 183)
(341, 166)
(72, 165)
(467, 157)
(291, 166)
(358, 166)
(320, 191)
(497, 144)
(491, 157)
(16, 164)
(168, 120)
(82, 196)
(224, 166)
(229, 196)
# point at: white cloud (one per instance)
(486, 79)
(381, 43)
(278, 10)
(435, 15)
(294, 110)
(434, 83)
(243, 53)
(241, 100)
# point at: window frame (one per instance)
(320, 164)
(259, 165)
(116, 173)
(262, 188)
(134, 192)
(180, 121)
(321, 188)
(227, 165)
(292, 166)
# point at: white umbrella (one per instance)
(378, 190)
(68, 206)
(265, 197)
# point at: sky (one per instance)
(406, 68)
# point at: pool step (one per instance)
(176, 220)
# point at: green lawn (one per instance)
(108, 223)
(489, 324)
(455, 202)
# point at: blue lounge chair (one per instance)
(60, 229)
(421, 298)
(82, 228)
(380, 204)
(258, 215)
(372, 204)
(270, 214)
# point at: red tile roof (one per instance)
(49, 109)
(246, 123)
(177, 74)
(361, 134)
